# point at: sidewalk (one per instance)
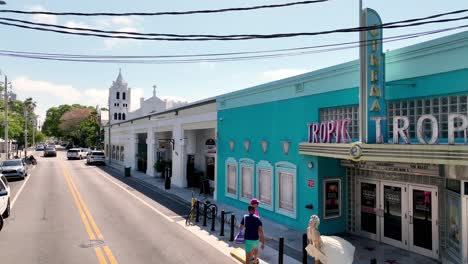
(366, 249)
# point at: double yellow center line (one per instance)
(88, 221)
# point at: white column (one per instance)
(178, 175)
(130, 155)
(151, 159)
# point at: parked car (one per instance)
(14, 168)
(40, 147)
(96, 156)
(76, 153)
(50, 151)
(4, 199)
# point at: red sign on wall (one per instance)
(311, 183)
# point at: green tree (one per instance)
(52, 120)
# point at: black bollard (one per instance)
(304, 245)
(373, 261)
(204, 214)
(197, 208)
(281, 250)
(222, 223)
(231, 237)
(213, 220)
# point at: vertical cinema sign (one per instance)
(372, 106)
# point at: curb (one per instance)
(269, 241)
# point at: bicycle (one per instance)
(210, 207)
(227, 218)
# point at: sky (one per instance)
(53, 83)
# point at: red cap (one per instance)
(254, 201)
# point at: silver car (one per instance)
(15, 168)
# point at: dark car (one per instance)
(50, 152)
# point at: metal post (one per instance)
(25, 132)
(304, 252)
(7, 148)
(205, 208)
(33, 132)
(222, 223)
(231, 237)
(197, 208)
(213, 220)
(109, 149)
(281, 250)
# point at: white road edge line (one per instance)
(19, 191)
(136, 197)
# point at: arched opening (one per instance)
(115, 116)
(117, 95)
(120, 116)
(123, 116)
(123, 96)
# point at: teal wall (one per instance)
(280, 110)
(276, 122)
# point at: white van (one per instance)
(4, 199)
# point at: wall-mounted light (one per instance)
(286, 145)
(231, 145)
(310, 165)
(246, 145)
(264, 144)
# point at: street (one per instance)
(69, 212)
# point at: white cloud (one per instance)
(207, 65)
(274, 75)
(111, 43)
(47, 19)
(137, 93)
(63, 92)
(48, 94)
(122, 21)
(76, 24)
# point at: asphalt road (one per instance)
(69, 212)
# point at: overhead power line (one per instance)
(141, 59)
(65, 55)
(199, 37)
(171, 13)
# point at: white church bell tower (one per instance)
(119, 100)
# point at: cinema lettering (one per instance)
(336, 131)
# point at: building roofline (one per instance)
(183, 107)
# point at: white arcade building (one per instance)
(163, 133)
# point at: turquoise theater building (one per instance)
(390, 165)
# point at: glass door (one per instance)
(423, 232)
(368, 204)
(393, 216)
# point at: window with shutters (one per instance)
(265, 184)
(286, 189)
(247, 171)
(231, 178)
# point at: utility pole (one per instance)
(7, 148)
(33, 131)
(109, 124)
(25, 132)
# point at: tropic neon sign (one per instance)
(329, 131)
(336, 131)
